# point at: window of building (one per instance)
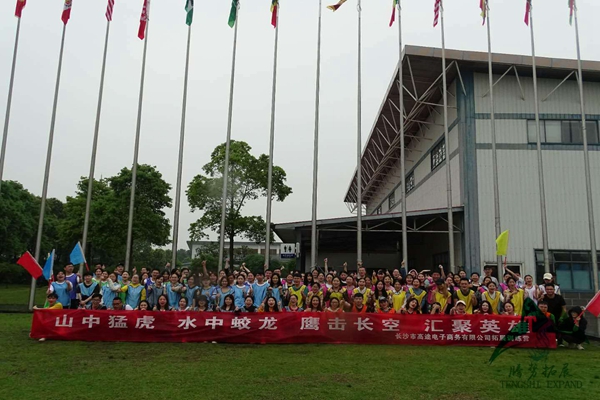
(378, 210)
(564, 132)
(392, 200)
(410, 182)
(573, 269)
(438, 154)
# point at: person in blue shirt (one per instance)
(110, 290)
(276, 289)
(86, 289)
(174, 289)
(190, 292)
(222, 291)
(240, 291)
(259, 289)
(62, 288)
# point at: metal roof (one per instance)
(422, 83)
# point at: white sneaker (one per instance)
(579, 347)
(42, 339)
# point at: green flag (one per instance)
(189, 9)
(233, 13)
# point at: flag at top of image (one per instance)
(189, 9)
(274, 4)
(436, 12)
(393, 18)
(66, 14)
(233, 13)
(337, 5)
(109, 9)
(144, 19)
(571, 10)
(483, 6)
(527, 11)
(20, 7)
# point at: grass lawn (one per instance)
(16, 297)
(84, 370)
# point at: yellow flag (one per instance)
(502, 244)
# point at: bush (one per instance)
(13, 274)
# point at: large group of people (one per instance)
(240, 290)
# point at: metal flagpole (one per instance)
(402, 155)
(88, 204)
(38, 241)
(313, 236)
(271, 146)
(9, 101)
(586, 158)
(136, 148)
(493, 126)
(359, 147)
(180, 162)
(539, 149)
(228, 140)
(447, 145)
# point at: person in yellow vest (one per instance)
(398, 296)
(466, 295)
(364, 290)
(494, 297)
(442, 296)
(417, 292)
(515, 295)
(298, 289)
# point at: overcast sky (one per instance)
(209, 84)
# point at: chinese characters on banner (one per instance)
(144, 326)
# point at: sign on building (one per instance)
(287, 250)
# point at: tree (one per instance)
(107, 235)
(247, 181)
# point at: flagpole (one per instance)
(136, 149)
(88, 204)
(447, 145)
(539, 149)
(493, 126)
(38, 241)
(313, 236)
(228, 140)
(402, 153)
(181, 141)
(271, 145)
(586, 158)
(359, 146)
(9, 101)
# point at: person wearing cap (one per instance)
(384, 306)
(548, 278)
(460, 308)
(442, 296)
(466, 295)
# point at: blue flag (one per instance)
(47, 271)
(77, 255)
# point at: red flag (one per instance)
(28, 262)
(393, 17)
(20, 7)
(274, 4)
(109, 9)
(144, 19)
(66, 11)
(436, 12)
(527, 11)
(483, 6)
(594, 305)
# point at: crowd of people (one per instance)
(232, 290)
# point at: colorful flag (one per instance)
(144, 19)
(594, 305)
(47, 271)
(20, 7)
(233, 13)
(436, 12)
(336, 6)
(393, 18)
(66, 14)
(189, 9)
(483, 6)
(571, 9)
(274, 4)
(502, 244)
(28, 262)
(77, 256)
(527, 11)
(109, 9)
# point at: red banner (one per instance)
(146, 326)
